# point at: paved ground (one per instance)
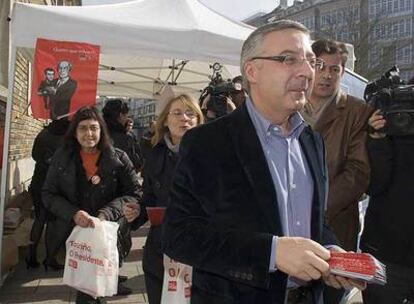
(37, 286)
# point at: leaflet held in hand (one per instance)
(360, 266)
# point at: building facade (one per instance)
(143, 112)
(381, 31)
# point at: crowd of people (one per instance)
(256, 199)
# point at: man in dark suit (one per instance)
(64, 90)
(247, 202)
(47, 86)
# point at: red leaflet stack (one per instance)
(361, 266)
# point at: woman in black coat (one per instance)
(44, 146)
(179, 115)
(87, 177)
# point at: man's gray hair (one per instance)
(67, 63)
(253, 44)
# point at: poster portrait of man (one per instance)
(63, 91)
(47, 86)
(64, 78)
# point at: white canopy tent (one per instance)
(139, 40)
(138, 76)
(144, 45)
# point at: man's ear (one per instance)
(250, 70)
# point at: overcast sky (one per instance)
(235, 9)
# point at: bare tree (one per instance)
(355, 25)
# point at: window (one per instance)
(394, 30)
(377, 32)
(389, 8)
(402, 4)
(408, 27)
(374, 56)
(357, 13)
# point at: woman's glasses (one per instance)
(178, 113)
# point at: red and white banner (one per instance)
(64, 77)
(176, 287)
(92, 259)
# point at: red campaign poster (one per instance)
(64, 77)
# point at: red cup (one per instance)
(155, 215)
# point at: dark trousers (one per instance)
(332, 295)
(41, 218)
(399, 288)
(301, 295)
(154, 288)
(83, 298)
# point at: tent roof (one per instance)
(154, 28)
(143, 42)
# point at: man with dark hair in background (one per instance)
(115, 113)
(145, 141)
(341, 120)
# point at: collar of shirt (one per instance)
(264, 127)
(310, 110)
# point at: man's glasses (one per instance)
(294, 61)
(178, 113)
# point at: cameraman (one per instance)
(389, 226)
(217, 101)
(238, 96)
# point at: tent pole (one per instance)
(183, 63)
(7, 125)
(172, 72)
(5, 167)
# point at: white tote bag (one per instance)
(92, 263)
(176, 288)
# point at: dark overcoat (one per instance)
(67, 190)
(223, 212)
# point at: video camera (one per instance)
(395, 99)
(218, 90)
